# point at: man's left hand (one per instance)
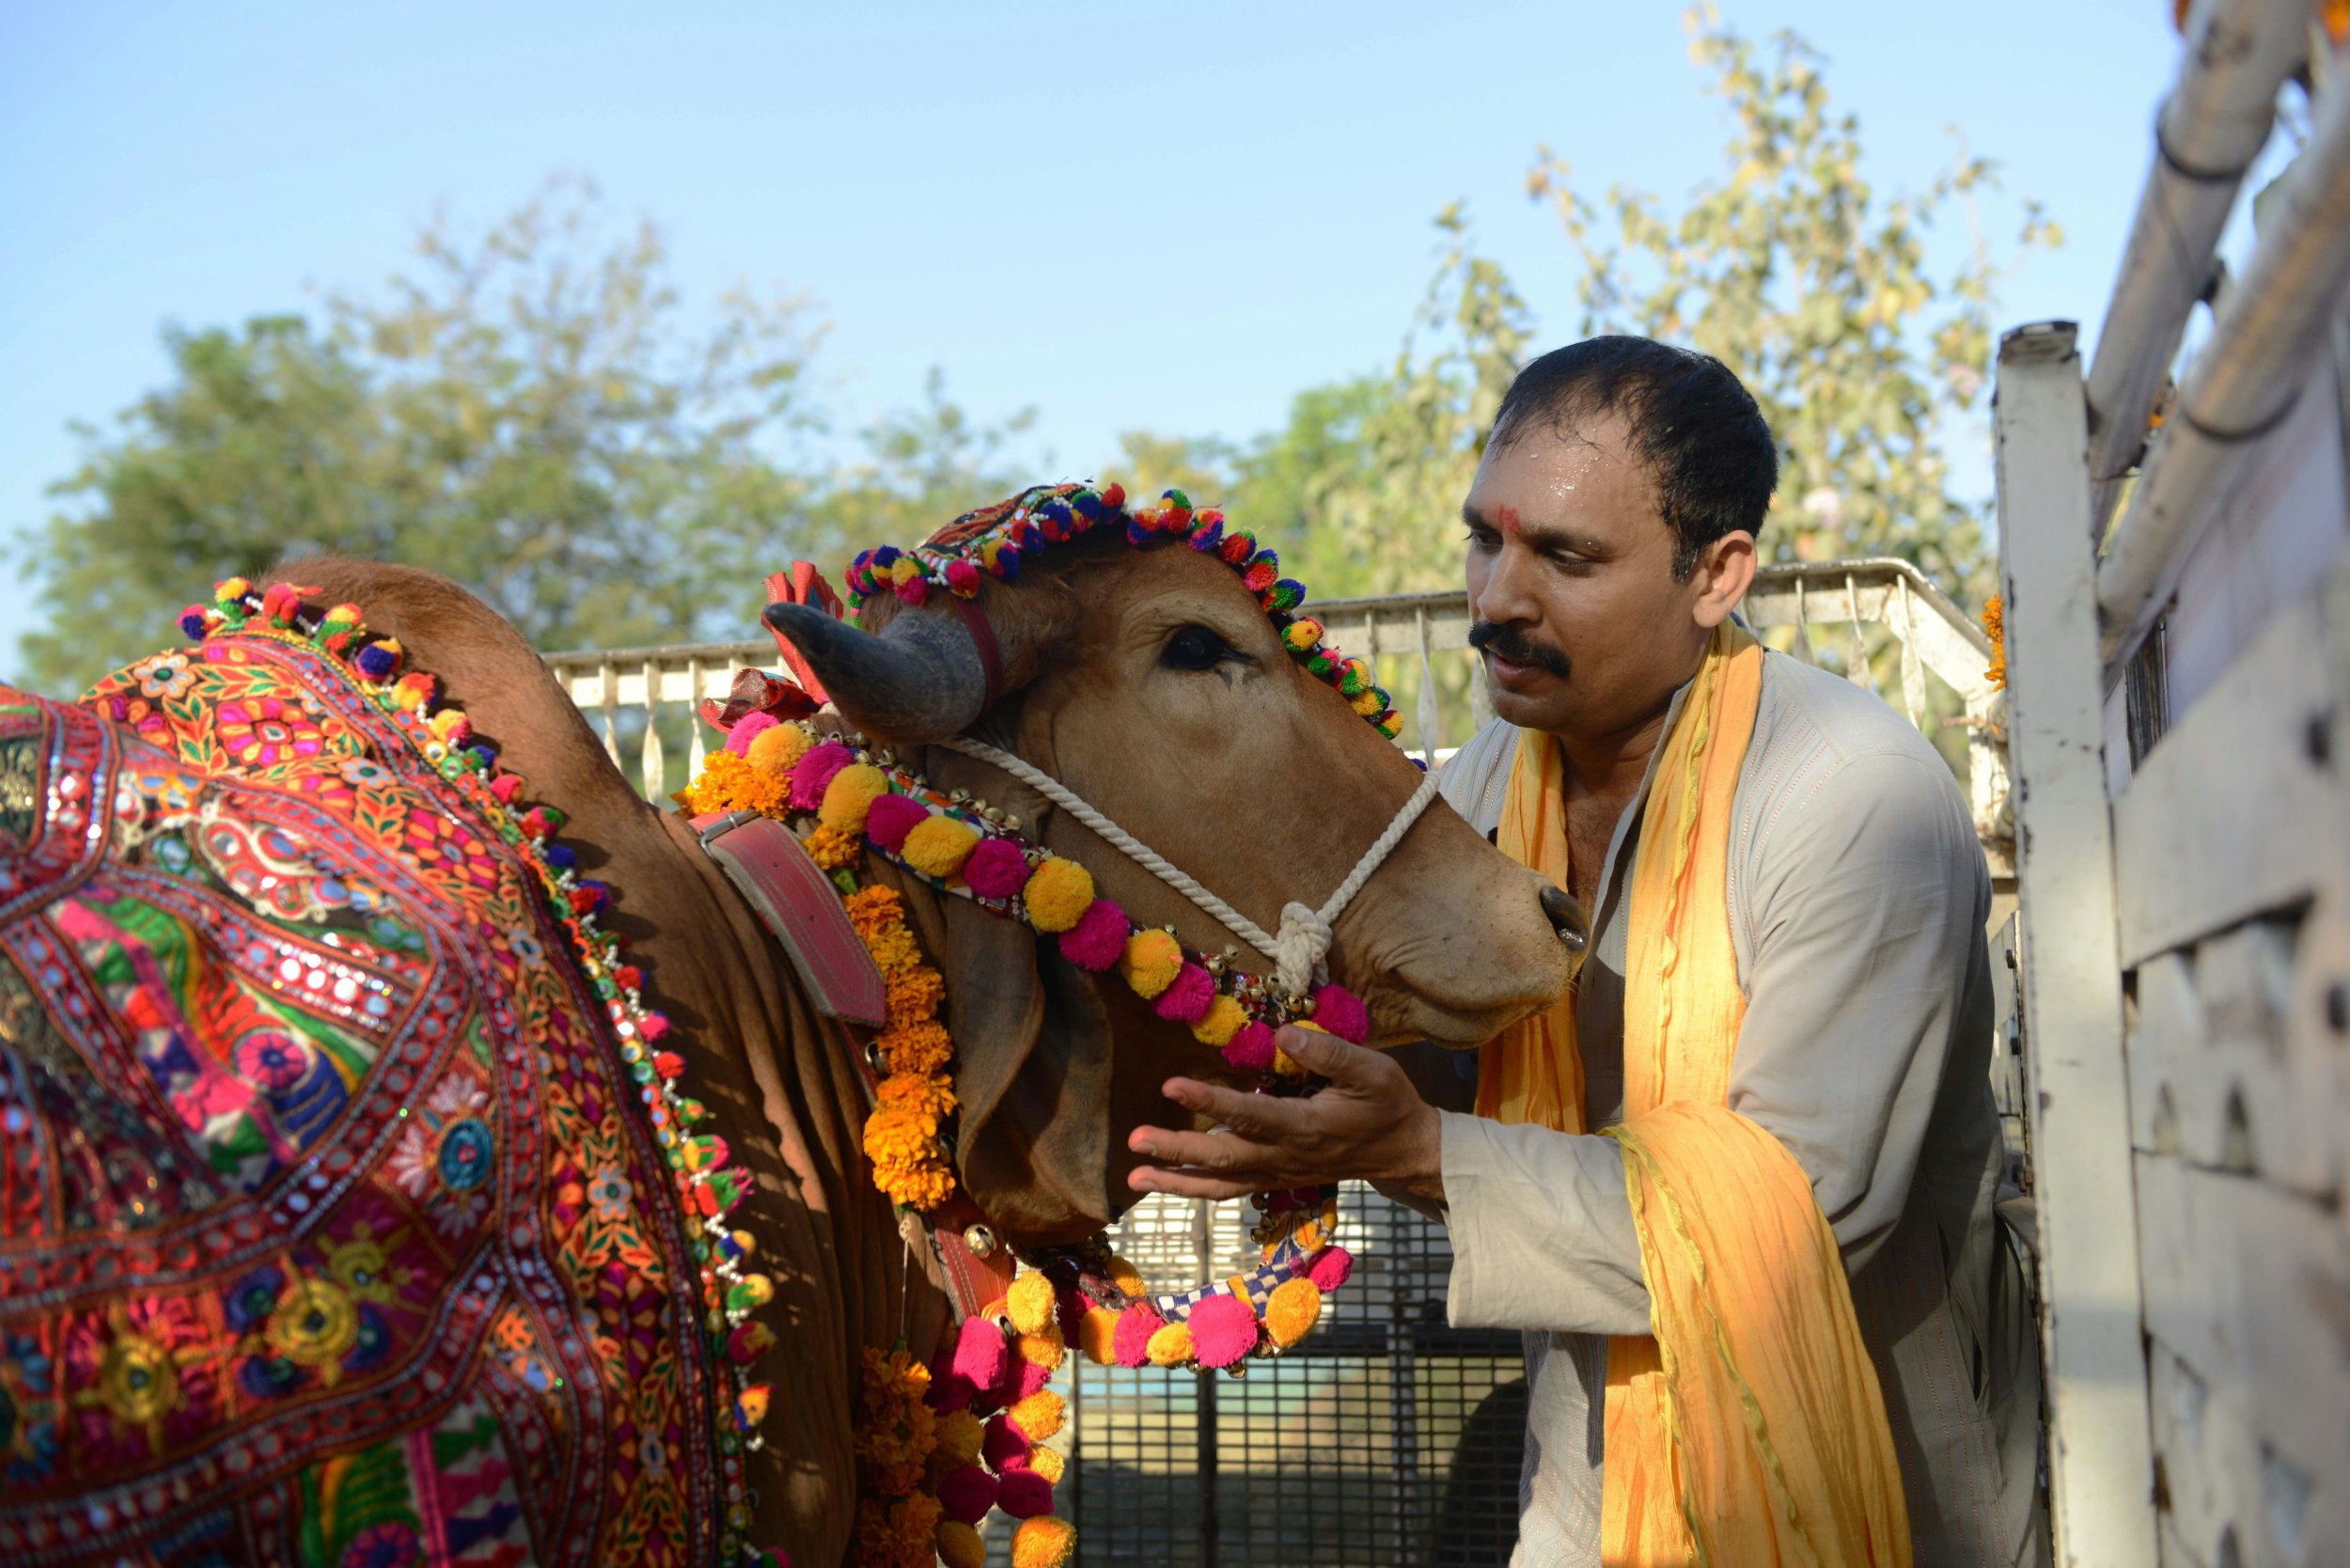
(1369, 1124)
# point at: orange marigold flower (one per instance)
(893, 949)
(896, 1135)
(920, 1092)
(920, 1186)
(923, 1047)
(872, 908)
(832, 849)
(913, 994)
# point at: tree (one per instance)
(1821, 296)
(532, 410)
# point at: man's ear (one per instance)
(1725, 571)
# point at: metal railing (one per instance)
(1878, 618)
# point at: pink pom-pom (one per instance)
(996, 869)
(949, 1391)
(653, 1028)
(1339, 1011)
(1098, 938)
(966, 1493)
(1131, 1343)
(1223, 1329)
(963, 578)
(745, 731)
(505, 787)
(979, 1353)
(1187, 1000)
(1004, 1445)
(1330, 1268)
(913, 590)
(814, 774)
(1250, 1049)
(890, 818)
(1032, 1375)
(1024, 1495)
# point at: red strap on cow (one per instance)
(799, 905)
(983, 638)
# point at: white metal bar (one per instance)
(2213, 124)
(650, 751)
(2100, 1445)
(2270, 329)
(609, 681)
(695, 751)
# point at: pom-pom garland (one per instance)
(993, 541)
(709, 1185)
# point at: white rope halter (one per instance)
(1299, 951)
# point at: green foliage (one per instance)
(1821, 296)
(533, 411)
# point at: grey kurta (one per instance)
(1858, 896)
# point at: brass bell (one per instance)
(979, 1241)
(874, 1059)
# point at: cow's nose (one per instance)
(1566, 918)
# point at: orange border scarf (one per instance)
(1749, 1429)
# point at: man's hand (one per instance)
(1370, 1124)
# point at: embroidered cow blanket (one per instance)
(343, 1219)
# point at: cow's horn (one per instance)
(921, 680)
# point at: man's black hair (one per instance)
(1694, 427)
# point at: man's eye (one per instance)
(1195, 648)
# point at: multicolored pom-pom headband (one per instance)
(995, 540)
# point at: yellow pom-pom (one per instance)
(1046, 1463)
(1170, 1346)
(1303, 634)
(1127, 1278)
(1151, 962)
(959, 1436)
(1039, 1415)
(778, 750)
(1097, 1336)
(938, 846)
(1058, 893)
(1224, 1018)
(1029, 1302)
(1043, 1350)
(905, 570)
(960, 1546)
(1368, 704)
(1292, 1310)
(1044, 1541)
(851, 795)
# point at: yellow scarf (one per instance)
(1749, 1430)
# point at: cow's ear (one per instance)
(1033, 1075)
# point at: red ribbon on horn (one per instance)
(754, 691)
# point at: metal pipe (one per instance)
(2211, 125)
(2271, 327)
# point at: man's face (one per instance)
(1585, 632)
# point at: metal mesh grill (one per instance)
(1383, 1438)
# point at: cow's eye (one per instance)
(1195, 648)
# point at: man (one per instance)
(1775, 1056)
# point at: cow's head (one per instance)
(1150, 682)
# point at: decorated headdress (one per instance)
(994, 541)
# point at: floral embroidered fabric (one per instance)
(333, 1229)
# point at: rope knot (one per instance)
(1299, 947)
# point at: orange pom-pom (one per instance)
(1040, 1414)
(1170, 1346)
(1044, 1541)
(1292, 1310)
(1043, 1349)
(1221, 1021)
(1097, 1336)
(1046, 1463)
(851, 795)
(775, 752)
(1031, 1303)
(1058, 894)
(1127, 1278)
(960, 1546)
(938, 845)
(1151, 961)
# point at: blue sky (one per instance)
(1170, 218)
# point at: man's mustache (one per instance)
(1508, 642)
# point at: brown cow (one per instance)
(1241, 767)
